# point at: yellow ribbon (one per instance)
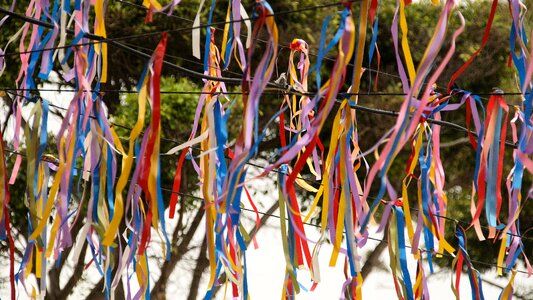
(127, 163)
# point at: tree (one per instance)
(177, 110)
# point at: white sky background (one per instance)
(266, 264)
(61, 99)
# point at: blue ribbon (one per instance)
(400, 223)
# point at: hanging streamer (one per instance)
(5, 225)
(462, 257)
(37, 175)
(145, 200)
(292, 243)
(511, 244)
(231, 40)
(398, 254)
(489, 174)
(85, 135)
(154, 6)
(484, 40)
(508, 291)
(406, 124)
(229, 240)
(432, 200)
(342, 212)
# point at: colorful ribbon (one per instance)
(5, 225)
(460, 259)
(85, 200)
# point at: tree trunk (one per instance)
(98, 293)
(373, 258)
(159, 290)
(201, 264)
(253, 233)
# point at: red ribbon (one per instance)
(483, 42)
(153, 136)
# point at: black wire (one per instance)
(186, 59)
(166, 189)
(278, 171)
(429, 120)
(315, 55)
(140, 6)
(232, 80)
(268, 92)
(113, 42)
(176, 142)
(355, 106)
(118, 91)
(278, 217)
(189, 60)
(395, 113)
(193, 73)
(262, 40)
(236, 80)
(279, 13)
(309, 181)
(382, 240)
(170, 140)
(242, 35)
(109, 40)
(362, 108)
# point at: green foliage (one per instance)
(487, 71)
(177, 116)
(177, 110)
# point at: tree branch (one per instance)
(159, 290)
(373, 258)
(201, 264)
(54, 289)
(263, 221)
(455, 142)
(76, 228)
(494, 284)
(76, 276)
(252, 234)
(96, 292)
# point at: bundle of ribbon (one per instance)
(85, 195)
(5, 227)
(84, 133)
